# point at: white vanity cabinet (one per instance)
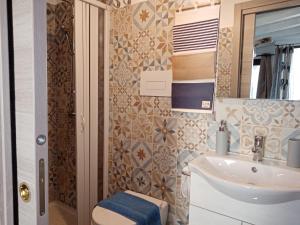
(207, 216)
(211, 205)
(200, 216)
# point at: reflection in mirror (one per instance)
(271, 55)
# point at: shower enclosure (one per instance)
(61, 113)
(76, 103)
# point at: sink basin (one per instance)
(238, 177)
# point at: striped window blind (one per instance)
(196, 31)
(196, 36)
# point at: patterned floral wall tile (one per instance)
(121, 151)
(121, 126)
(121, 99)
(141, 181)
(165, 159)
(224, 62)
(165, 14)
(141, 155)
(142, 127)
(177, 137)
(263, 112)
(122, 50)
(142, 105)
(184, 157)
(121, 20)
(163, 51)
(123, 75)
(144, 49)
(136, 79)
(213, 126)
(165, 18)
(193, 116)
(191, 134)
(163, 187)
(143, 16)
(162, 107)
(291, 114)
(120, 177)
(51, 24)
(272, 141)
(165, 131)
(230, 110)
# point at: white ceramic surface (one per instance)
(272, 183)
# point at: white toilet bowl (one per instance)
(102, 216)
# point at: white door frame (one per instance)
(6, 186)
(87, 108)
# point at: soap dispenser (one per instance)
(222, 139)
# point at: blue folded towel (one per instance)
(134, 208)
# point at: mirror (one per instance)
(274, 69)
(266, 61)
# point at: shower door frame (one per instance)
(86, 108)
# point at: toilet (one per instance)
(102, 216)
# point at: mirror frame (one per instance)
(240, 10)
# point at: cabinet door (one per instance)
(199, 216)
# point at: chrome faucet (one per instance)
(258, 149)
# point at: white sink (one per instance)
(244, 180)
